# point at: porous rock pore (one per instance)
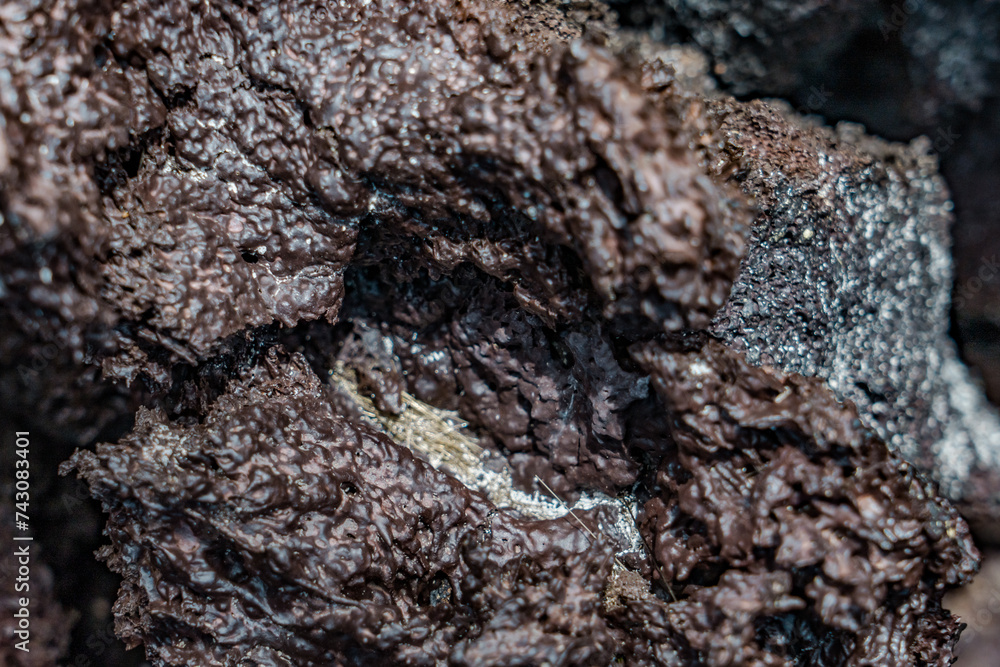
(494, 210)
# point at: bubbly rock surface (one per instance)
(501, 210)
(280, 531)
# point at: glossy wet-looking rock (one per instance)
(223, 204)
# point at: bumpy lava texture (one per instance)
(512, 212)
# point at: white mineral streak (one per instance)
(443, 439)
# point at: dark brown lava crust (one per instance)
(499, 211)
